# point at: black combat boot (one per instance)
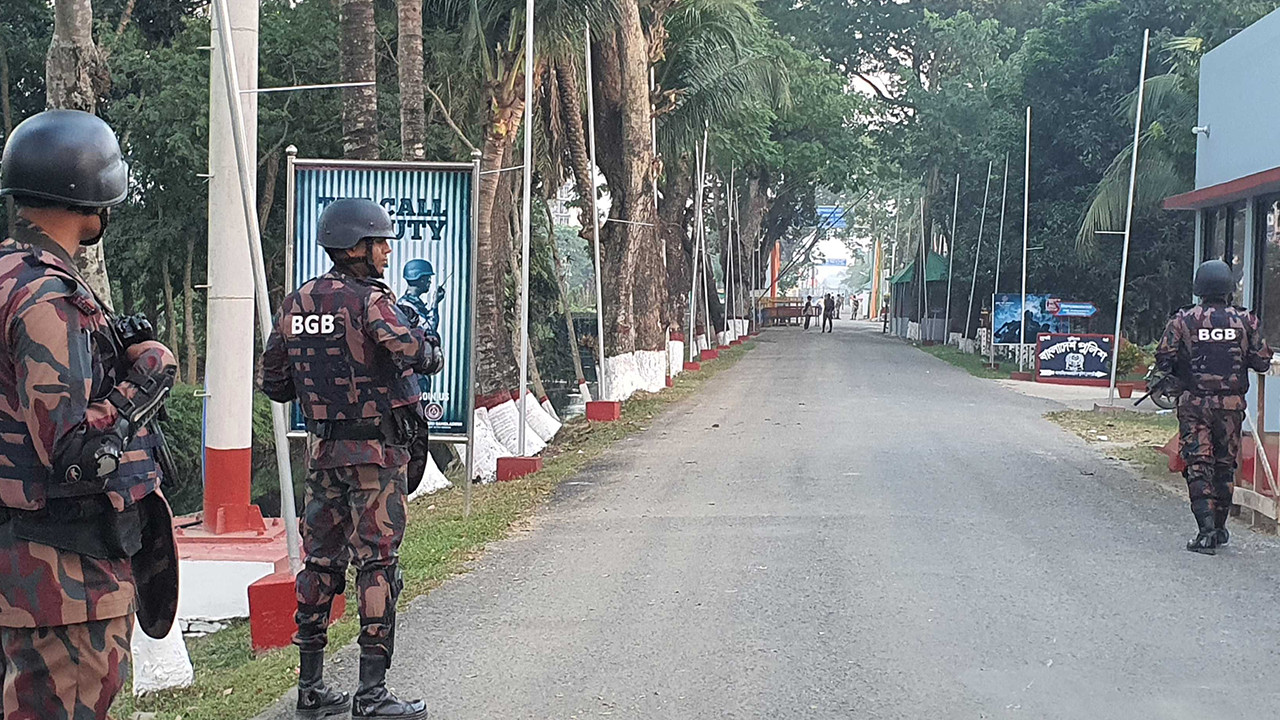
(315, 699)
(1220, 524)
(1206, 541)
(373, 700)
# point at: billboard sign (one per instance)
(1006, 319)
(1078, 359)
(1076, 309)
(430, 268)
(831, 217)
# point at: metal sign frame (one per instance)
(295, 163)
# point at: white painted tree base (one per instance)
(651, 370)
(543, 424)
(675, 356)
(550, 410)
(487, 450)
(160, 664)
(623, 376)
(585, 391)
(505, 419)
(433, 481)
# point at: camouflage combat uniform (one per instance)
(346, 353)
(1210, 349)
(65, 616)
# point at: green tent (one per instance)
(935, 271)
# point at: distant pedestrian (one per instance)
(808, 310)
(828, 312)
(839, 305)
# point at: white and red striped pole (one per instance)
(229, 346)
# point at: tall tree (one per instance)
(359, 64)
(76, 76)
(413, 115)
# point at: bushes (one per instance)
(184, 431)
(1130, 358)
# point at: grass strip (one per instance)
(1133, 437)
(976, 365)
(231, 683)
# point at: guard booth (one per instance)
(1236, 202)
(917, 313)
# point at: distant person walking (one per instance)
(808, 310)
(828, 312)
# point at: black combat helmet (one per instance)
(348, 221)
(1213, 279)
(65, 157)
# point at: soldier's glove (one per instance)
(435, 356)
(411, 316)
(90, 456)
(133, 329)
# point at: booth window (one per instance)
(1215, 235)
(1226, 235)
(1268, 234)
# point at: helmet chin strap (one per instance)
(104, 217)
(361, 266)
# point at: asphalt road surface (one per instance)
(844, 527)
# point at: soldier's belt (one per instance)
(87, 525)
(370, 429)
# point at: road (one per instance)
(842, 526)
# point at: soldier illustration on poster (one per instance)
(422, 307)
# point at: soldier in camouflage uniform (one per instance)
(80, 509)
(1210, 349)
(342, 348)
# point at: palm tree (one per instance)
(1166, 153)
(413, 115)
(359, 64)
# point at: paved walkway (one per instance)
(861, 531)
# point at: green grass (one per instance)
(1129, 436)
(974, 364)
(232, 683)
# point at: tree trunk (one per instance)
(673, 229)
(267, 190)
(753, 211)
(633, 260)
(413, 116)
(75, 77)
(188, 310)
(563, 287)
(359, 64)
(576, 137)
(6, 118)
(170, 312)
(494, 371)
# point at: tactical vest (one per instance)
(1216, 346)
(25, 482)
(339, 371)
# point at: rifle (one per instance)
(127, 332)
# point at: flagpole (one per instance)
(973, 283)
(601, 375)
(1128, 217)
(526, 224)
(1026, 234)
(951, 263)
(995, 289)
